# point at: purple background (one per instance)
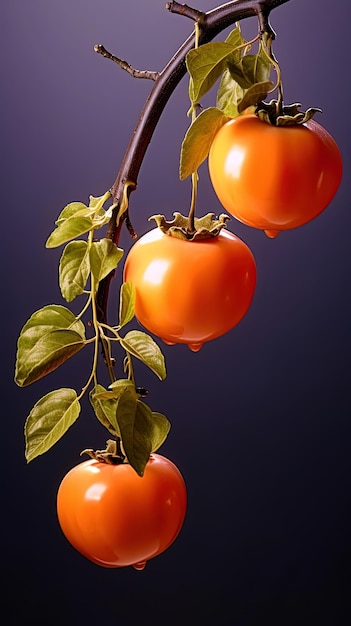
(261, 417)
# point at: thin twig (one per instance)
(124, 65)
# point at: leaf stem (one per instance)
(248, 44)
(93, 375)
(109, 361)
(130, 367)
(85, 308)
(111, 329)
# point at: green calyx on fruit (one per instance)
(206, 227)
(288, 115)
(111, 454)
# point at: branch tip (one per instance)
(184, 9)
(100, 49)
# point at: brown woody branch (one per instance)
(184, 9)
(100, 49)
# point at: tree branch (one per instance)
(100, 49)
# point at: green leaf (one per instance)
(255, 94)
(49, 337)
(236, 39)
(74, 269)
(104, 404)
(250, 69)
(205, 65)
(78, 209)
(117, 388)
(229, 95)
(258, 67)
(238, 74)
(135, 423)
(73, 209)
(48, 353)
(160, 429)
(127, 302)
(49, 419)
(241, 78)
(198, 139)
(121, 384)
(143, 347)
(104, 257)
(68, 229)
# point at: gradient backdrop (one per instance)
(261, 417)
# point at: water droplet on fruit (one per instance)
(140, 566)
(195, 347)
(272, 233)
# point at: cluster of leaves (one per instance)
(244, 82)
(54, 333)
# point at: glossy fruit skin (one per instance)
(274, 177)
(116, 518)
(190, 291)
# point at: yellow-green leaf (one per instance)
(257, 67)
(104, 257)
(48, 338)
(74, 269)
(238, 74)
(250, 69)
(229, 94)
(255, 94)
(68, 229)
(105, 407)
(143, 347)
(48, 353)
(73, 209)
(127, 302)
(115, 390)
(49, 419)
(119, 386)
(198, 139)
(160, 427)
(78, 209)
(205, 65)
(135, 424)
(236, 39)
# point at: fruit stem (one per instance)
(267, 40)
(194, 176)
